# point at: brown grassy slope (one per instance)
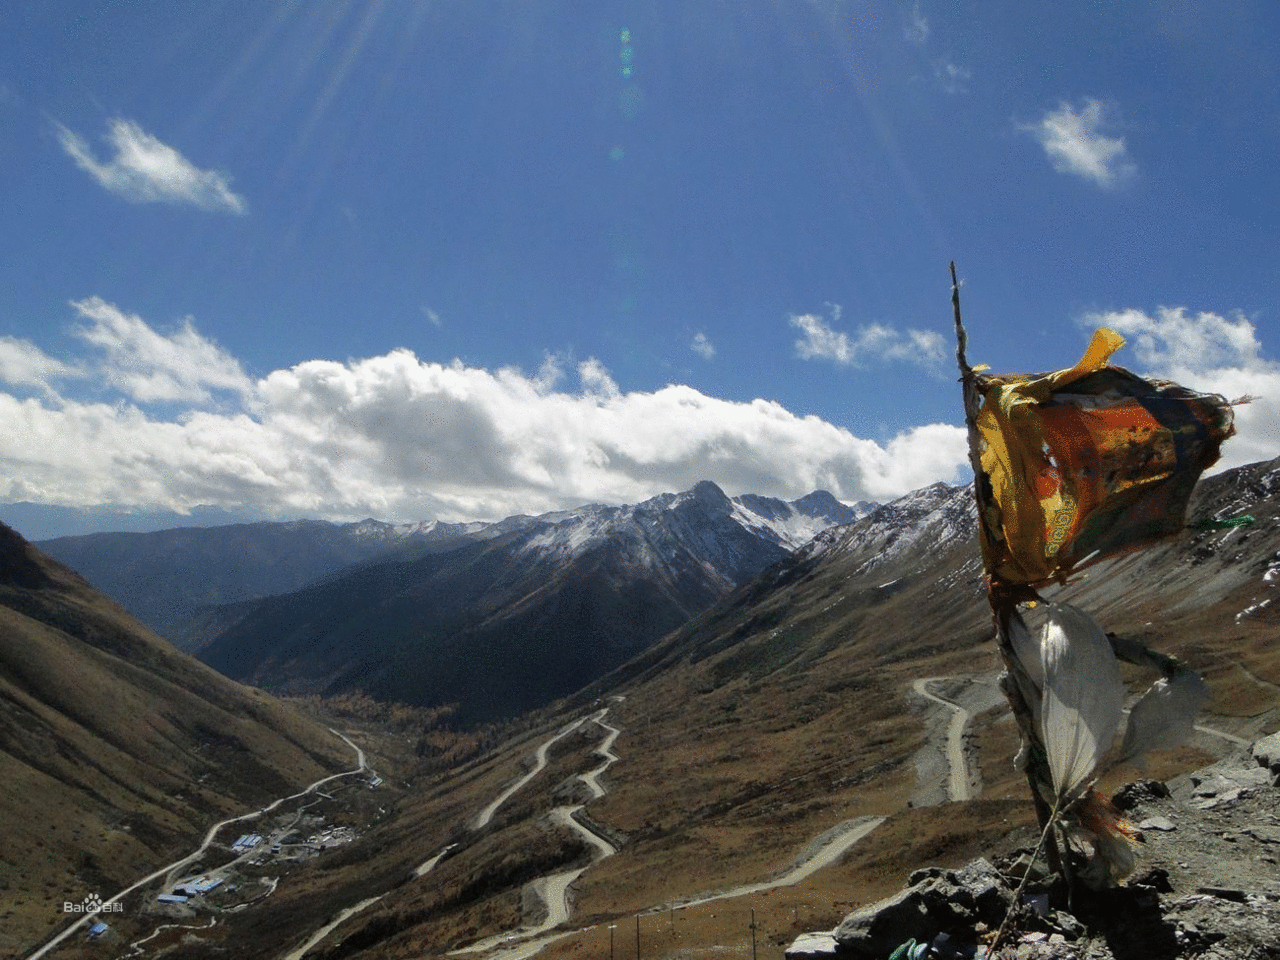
(787, 709)
(116, 751)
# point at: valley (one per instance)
(792, 750)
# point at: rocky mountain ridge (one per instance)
(174, 580)
(1209, 887)
(520, 613)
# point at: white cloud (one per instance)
(874, 341)
(148, 366)
(395, 437)
(1075, 144)
(703, 347)
(432, 316)
(22, 363)
(144, 170)
(1213, 354)
(596, 381)
(917, 30)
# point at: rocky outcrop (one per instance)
(935, 901)
(1267, 752)
(1208, 887)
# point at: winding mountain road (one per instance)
(553, 890)
(540, 763)
(958, 779)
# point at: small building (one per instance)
(172, 898)
(197, 887)
(246, 842)
(97, 930)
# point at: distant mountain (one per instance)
(116, 750)
(169, 578)
(506, 618)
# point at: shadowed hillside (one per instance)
(116, 750)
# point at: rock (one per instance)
(1267, 752)
(1158, 823)
(1156, 878)
(938, 901)
(1223, 893)
(1015, 868)
(876, 930)
(1265, 834)
(1140, 791)
(1222, 784)
(1069, 925)
(813, 946)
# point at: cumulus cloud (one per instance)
(872, 342)
(1212, 353)
(396, 437)
(703, 347)
(1074, 143)
(144, 170)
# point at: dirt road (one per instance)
(958, 778)
(553, 890)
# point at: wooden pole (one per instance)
(1003, 596)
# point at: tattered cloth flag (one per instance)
(1084, 463)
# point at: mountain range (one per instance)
(170, 579)
(506, 618)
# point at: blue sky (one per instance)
(468, 259)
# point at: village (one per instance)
(251, 863)
(238, 871)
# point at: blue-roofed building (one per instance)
(98, 929)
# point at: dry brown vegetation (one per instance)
(763, 723)
(117, 752)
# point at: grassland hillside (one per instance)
(116, 751)
(786, 710)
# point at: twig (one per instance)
(1017, 894)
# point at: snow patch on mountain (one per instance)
(924, 520)
(703, 518)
